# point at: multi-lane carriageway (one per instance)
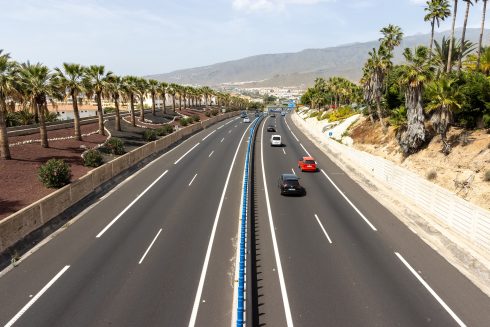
(160, 249)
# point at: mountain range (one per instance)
(297, 69)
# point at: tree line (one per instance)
(32, 86)
(445, 83)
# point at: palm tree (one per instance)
(8, 78)
(484, 11)
(437, 11)
(163, 92)
(71, 79)
(392, 37)
(172, 90)
(379, 63)
(479, 63)
(116, 88)
(451, 40)
(468, 4)
(444, 97)
(415, 74)
(129, 89)
(154, 89)
(441, 53)
(97, 80)
(141, 90)
(37, 81)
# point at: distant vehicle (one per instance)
(307, 164)
(283, 114)
(257, 114)
(276, 140)
(271, 128)
(243, 114)
(289, 184)
(246, 120)
(272, 115)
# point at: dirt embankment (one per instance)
(462, 171)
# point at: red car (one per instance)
(307, 164)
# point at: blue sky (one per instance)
(148, 36)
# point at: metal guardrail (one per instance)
(243, 231)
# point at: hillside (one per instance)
(295, 69)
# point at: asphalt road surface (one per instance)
(156, 251)
(159, 250)
(336, 257)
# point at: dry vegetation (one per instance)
(463, 171)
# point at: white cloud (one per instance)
(271, 5)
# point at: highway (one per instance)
(336, 257)
(158, 250)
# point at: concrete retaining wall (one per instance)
(20, 224)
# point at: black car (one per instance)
(271, 128)
(289, 184)
(273, 115)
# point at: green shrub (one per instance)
(150, 135)
(314, 114)
(55, 173)
(214, 112)
(109, 110)
(51, 117)
(195, 118)
(340, 114)
(92, 158)
(208, 114)
(115, 146)
(184, 121)
(486, 177)
(165, 130)
(486, 120)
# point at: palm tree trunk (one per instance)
(173, 102)
(414, 136)
(76, 117)
(100, 114)
(451, 41)
(153, 110)
(164, 97)
(42, 124)
(431, 39)
(481, 34)
(131, 110)
(460, 60)
(35, 111)
(379, 111)
(118, 116)
(180, 102)
(4, 141)
(142, 110)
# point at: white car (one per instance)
(246, 120)
(276, 140)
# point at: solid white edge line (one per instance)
(211, 154)
(309, 155)
(193, 178)
(208, 135)
(186, 153)
(130, 205)
(431, 291)
(282, 283)
(349, 201)
(200, 287)
(148, 250)
(36, 297)
(220, 127)
(323, 229)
